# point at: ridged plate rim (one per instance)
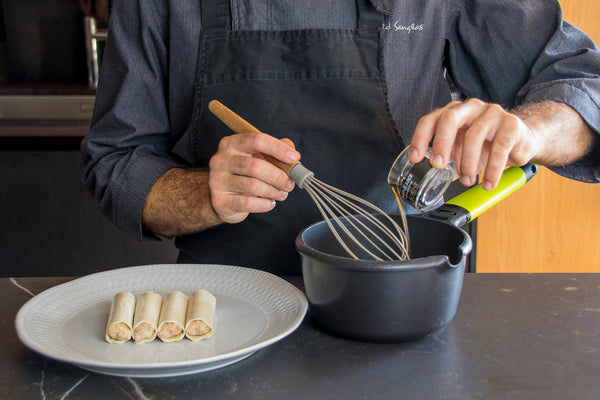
(39, 321)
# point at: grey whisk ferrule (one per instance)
(299, 174)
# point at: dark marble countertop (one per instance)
(515, 336)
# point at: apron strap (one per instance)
(216, 15)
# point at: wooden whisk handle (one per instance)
(239, 125)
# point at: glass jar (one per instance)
(420, 185)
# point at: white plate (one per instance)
(254, 309)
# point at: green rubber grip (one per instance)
(477, 200)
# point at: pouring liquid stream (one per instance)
(404, 224)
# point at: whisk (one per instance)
(363, 223)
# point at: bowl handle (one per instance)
(475, 201)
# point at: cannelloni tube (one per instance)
(145, 321)
(120, 319)
(200, 315)
(172, 317)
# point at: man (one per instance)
(350, 83)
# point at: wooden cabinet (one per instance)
(552, 224)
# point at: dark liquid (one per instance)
(404, 224)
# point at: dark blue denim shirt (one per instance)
(503, 51)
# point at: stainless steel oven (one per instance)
(95, 38)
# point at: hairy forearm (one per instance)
(179, 203)
(564, 135)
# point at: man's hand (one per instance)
(241, 181)
(238, 182)
(485, 138)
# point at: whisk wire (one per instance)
(320, 206)
(396, 238)
(326, 202)
(333, 202)
(350, 219)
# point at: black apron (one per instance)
(324, 89)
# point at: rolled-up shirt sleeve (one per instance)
(127, 147)
(527, 54)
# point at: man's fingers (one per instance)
(261, 143)
(230, 167)
(452, 121)
(441, 128)
(423, 135)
